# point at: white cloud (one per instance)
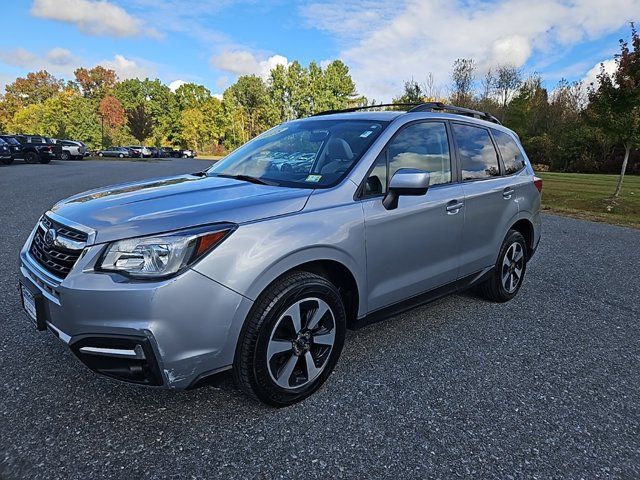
(244, 62)
(411, 38)
(176, 84)
(591, 76)
(128, 68)
(58, 61)
(93, 17)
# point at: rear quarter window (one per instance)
(512, 155)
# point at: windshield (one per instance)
(308, 154)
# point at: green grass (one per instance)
(589, 196)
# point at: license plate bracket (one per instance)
(34, 306)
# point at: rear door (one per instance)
(490, 198)
(415, 247)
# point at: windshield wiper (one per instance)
(247, 178)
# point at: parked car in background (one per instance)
(38, 149)
(72, 150)
(139, 150)
(155, 152)
(120, 152)
(170, 152)
(14, 145)
(188, 153)
(5, 152)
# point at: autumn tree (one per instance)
(140, 123)
(614, 101)
(33, 89)
(112, 112)
(96, 82)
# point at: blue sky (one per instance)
(383, 42)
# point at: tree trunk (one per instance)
(627, 150)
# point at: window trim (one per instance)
(459, 159)
(502, 165)
(360, 195)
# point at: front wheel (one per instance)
(7, 160)
(121, 155)
(291, 340)
(65, 156)
(508, 273)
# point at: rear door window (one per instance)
(478, 155)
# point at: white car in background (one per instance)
(138, 150)
(188, 154)
(72, 150)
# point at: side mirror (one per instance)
(406, 181)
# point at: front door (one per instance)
(415, 247)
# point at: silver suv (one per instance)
(261, 262)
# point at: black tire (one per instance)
(496, 288)
(65, 155)
(44, 160)
(101, 154)
(31, 157)
(252, 370)
(121, 155)
(7, 161)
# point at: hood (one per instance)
(160, 205)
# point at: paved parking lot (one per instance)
(545, 386)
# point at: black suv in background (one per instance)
(37, 149)
(5, 152)
(14, 145)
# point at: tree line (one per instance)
(570, 127)
(99, 109)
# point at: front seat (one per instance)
(338, 156)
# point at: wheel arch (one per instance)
(526, 229)
(330, 263)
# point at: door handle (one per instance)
(507, 192)
(454, 207)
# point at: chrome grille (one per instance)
(54, 257)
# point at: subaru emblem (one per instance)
(50, 237)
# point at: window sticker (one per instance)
(366, 134)
(313, 178)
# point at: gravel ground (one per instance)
(546, 386)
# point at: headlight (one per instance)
(162, 255)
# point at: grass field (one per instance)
(589, 196)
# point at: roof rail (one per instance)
(467, 112)
(368, 107)
(421, 107)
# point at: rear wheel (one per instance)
(65, 155)
(101, 154)
(291, 340)
(31, 157)
(121, 155)
(7, 161)
(508, 273)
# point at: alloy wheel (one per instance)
(512, 267)
(301, 342)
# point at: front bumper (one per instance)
(169, 333)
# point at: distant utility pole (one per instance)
(101, 132)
